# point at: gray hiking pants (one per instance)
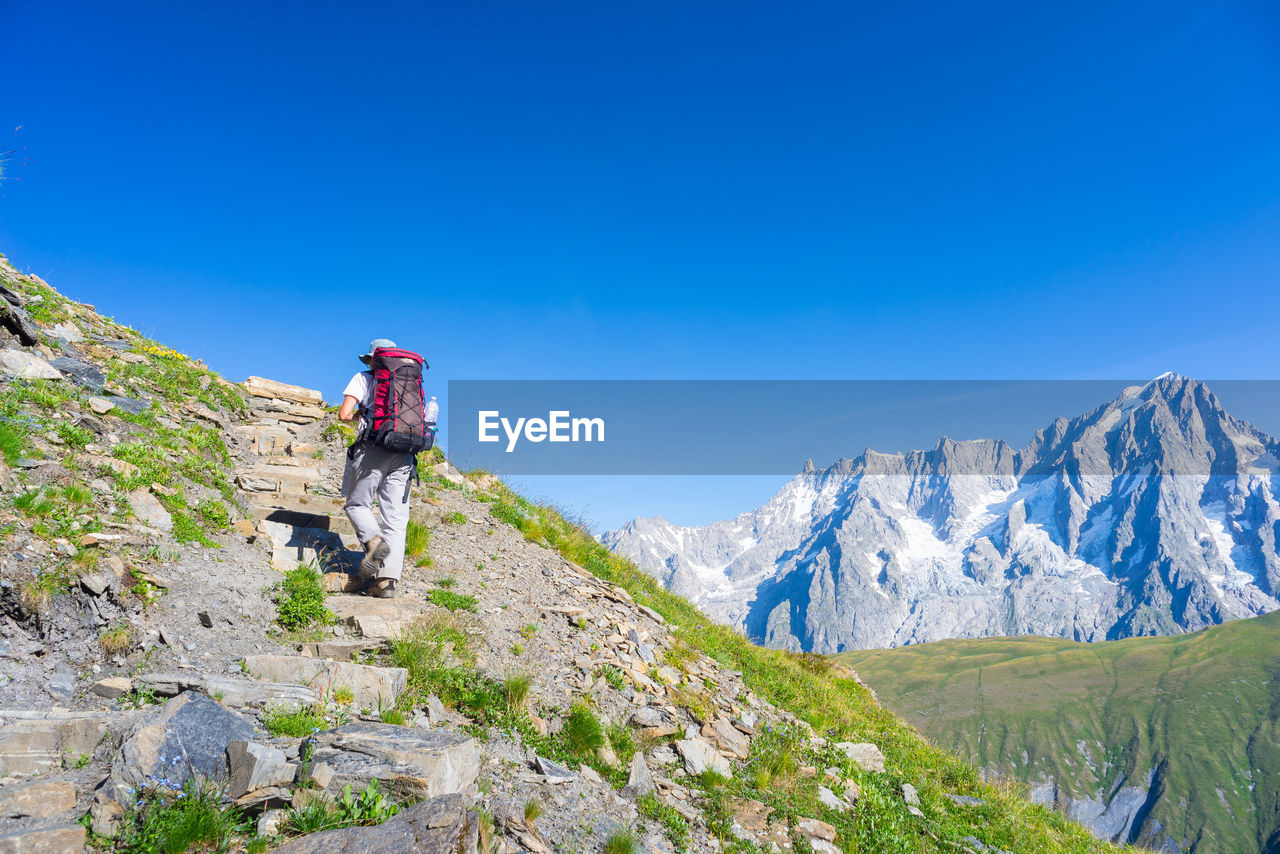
(373, 473)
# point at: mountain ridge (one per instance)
(864, 552)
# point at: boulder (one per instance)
(828, 799)
(271, 389)
(554, 772)
(37, 800)
(373, 687)
(751, 824)
(406, 760)
(83, 373)
(150, 511)
(726, 736)
(256, 766)
(866, 755)
(640, 781)
(101, 405)
(440, 825)
(186, 737)
(63, 839)
(700, 755)
(18, 363)
(36, 742)
(66, 331)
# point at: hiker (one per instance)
(387, 399)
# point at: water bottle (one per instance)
(433, 411)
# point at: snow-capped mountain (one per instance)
(1156, 513)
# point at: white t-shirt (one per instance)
(361, 388)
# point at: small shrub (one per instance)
(612, 675)
(517, 649)
(457, 517)
(582, 734)
(446, 582)
(674, 824)
(452, 601)
(76, 438)
(214, 514)
(188, 530)
(343, 696)
(528, 630)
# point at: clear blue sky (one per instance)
(659, 190)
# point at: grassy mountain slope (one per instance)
(189, 466)
(1197, 711)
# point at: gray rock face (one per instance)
(700, 756)
(407, 760)
(1153, 514)
(440, 825)
(186, 737)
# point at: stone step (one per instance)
(376, 618)
(372, 687)
(340, 650)
(265, 439)
(295, 544)
(287, 461)
(273, 389)
(299, 517)
(294, 413)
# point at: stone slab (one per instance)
(372, 687)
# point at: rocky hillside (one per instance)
(1154, 514)
(1170, 742)
(185, 663)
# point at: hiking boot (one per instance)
(385, 588)
(375, 554)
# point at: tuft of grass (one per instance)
(582, 734)
(515, 688)
(295, 723)
(452, 601)
(416, 539)
(392, 716)
(13, 442)
(117, 639)
(300, 599)
(446, 582)
(532, 811)
(622, 842)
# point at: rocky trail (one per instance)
(156, 631)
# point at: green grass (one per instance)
(832, 701)
(296, 723)
(582, 734)
(1199, 707)
(673, 824)
(167, 822)
(622, 842)
(13, 442)
(300, 599)
(452, 601)
(416, 539)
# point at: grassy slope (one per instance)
(837, 707)
(1201, 708)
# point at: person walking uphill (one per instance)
(388, 401)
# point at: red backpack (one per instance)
(398, 421)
